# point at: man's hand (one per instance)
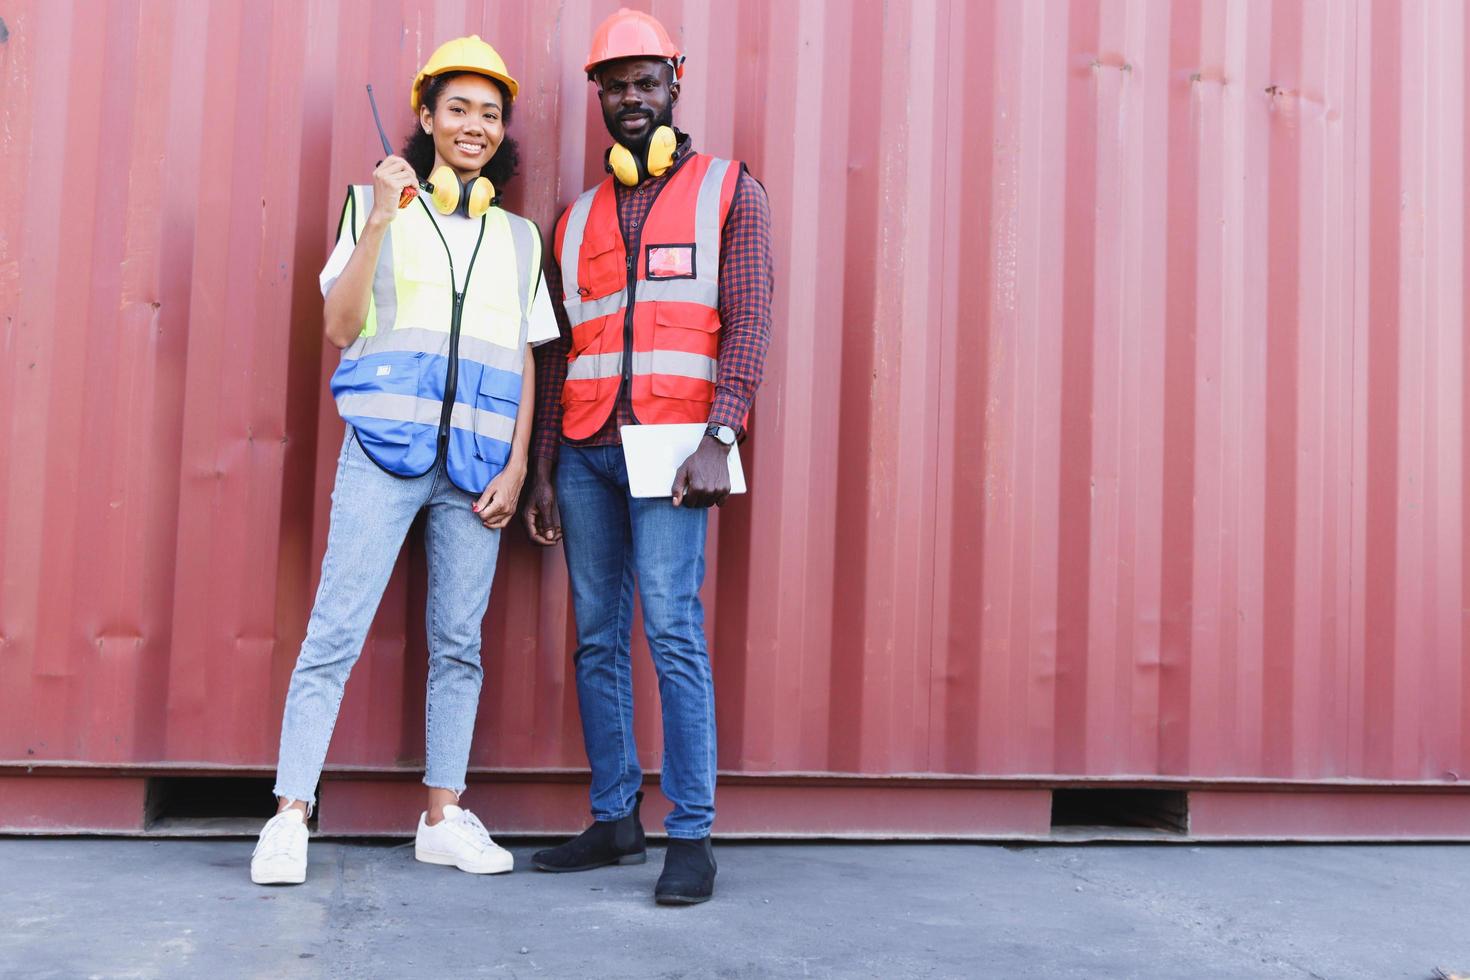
(543, 517)
(497, 505)
(704, 478)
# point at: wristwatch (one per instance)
(721, 433)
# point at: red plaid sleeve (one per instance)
(746, 276)
(551, 371)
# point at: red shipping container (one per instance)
(1113, 431)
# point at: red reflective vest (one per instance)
(671, 323)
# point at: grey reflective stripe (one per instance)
(385, 306)
(696, 291)
(571, 241)
(481, 423)
(437, 342)
(680, 363)
(362, 207)
(675, 362)
(393, 408)
(707, 224)
(425, 411)
(365, 204)
(520, 234)
(580, 312)
(385, 289)
(590, 366)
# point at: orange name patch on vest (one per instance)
(671, 262)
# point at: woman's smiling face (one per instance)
(467, 124)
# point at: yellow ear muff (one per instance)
(661, 151)
(481, 194)
(444, 190)
(661, 146)
(624, 167)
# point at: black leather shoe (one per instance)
(605, 842)
(689, 873)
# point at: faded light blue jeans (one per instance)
(371, 513)
(612, 538)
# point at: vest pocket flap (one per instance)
(381, 396)
(585, 390)
(590, 376)
(493, 423)
(390, 372)
(490, 319)
(500, 386)
(420, 264)
(685, 387)
(586, 337)
(602, 268)
(688, 316)
(595, 245)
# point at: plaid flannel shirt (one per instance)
(744, 309)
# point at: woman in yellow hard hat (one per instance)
(435, 299)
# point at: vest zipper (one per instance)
(451, 380)
(628, 317)
(451, 376)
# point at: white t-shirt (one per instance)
(460, 234)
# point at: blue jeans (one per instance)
(611, 538)
(371, 514)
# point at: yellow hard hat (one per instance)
(463, 54)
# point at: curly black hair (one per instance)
(418, 149)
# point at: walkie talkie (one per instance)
(410, 192)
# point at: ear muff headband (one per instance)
(628, 169)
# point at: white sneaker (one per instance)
(462, 841)
(280, 854)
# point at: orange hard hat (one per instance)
(633, 34)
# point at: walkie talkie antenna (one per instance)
(387, 148)
(410, 192)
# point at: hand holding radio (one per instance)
(405, 194)
(394, 185)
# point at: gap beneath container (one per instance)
(1142, 814)
(209, 805)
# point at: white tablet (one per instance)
(654, 454)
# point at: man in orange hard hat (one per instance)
(663, 276)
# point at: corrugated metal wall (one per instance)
(1114, 422)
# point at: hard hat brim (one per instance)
(511, 84)
(674, 61)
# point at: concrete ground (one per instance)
(186, 908)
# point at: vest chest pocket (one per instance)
(686, 326)
(686, 345)
(494, 421)
(379, 396)
(590, 375)
(601, 268)
(492, 318)
(389, 373)
(425, 292)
